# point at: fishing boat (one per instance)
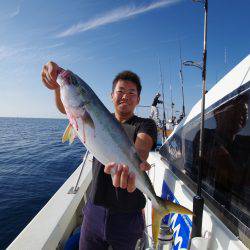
(225, 179)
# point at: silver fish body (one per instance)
(99, 131)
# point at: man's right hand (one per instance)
(50, 72)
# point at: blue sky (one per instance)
(98, 39)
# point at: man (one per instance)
(113, 214)
(154, 114)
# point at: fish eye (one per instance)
(73, 80)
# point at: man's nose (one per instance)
(125, 95)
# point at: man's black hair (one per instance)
(128, 76)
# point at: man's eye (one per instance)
(132, 93)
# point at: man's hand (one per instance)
(122, 177)
(49, 74)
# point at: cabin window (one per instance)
(226, 169)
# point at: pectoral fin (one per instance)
(69, 134)
(88, 120)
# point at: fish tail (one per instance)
(166, 207)
(156, 223)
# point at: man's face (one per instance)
(125, 97)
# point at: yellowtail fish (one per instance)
(107, 140)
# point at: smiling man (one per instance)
(113, 214)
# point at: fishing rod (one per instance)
(171, 96)
(182, 88)
(172, 105)
(163, 102)
(198, 201)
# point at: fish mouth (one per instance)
(65, 74)
(64, 78)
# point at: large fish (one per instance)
(107, 140)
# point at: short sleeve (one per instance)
(149, 127)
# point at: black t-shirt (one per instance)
(103, 192)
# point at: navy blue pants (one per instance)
(102, 227)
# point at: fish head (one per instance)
(74, 93)
(76, 96)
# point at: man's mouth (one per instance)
(123, 103)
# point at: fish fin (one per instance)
(83, 134)
(73, 135)
(167, 207)
(87, 119)
(176, 208)
(69, 134)
(156, 223)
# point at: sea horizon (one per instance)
(28, 117)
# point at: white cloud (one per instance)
(6, 52)
(14, 13)
(51, 46)
(114, 16)
(9, 14)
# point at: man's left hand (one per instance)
(122, 178)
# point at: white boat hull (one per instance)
(166, 183)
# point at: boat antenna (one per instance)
(172, 105)
(163, 101)
(225, 58)
(198, 201)
(225, 55)
(171, 95)
(182, 88)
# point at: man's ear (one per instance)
(111, 95)
(139, 98)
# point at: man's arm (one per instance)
(122, 177)
(58, 101)
(143, 145)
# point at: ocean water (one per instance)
(34, 163)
